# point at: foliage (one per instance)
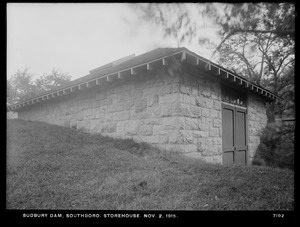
(256, 39)
(21, 85)
(262, 58)
(277, 19)
(266, 60)
(174, 18)
(185, 21)
(52, 80)
(52, 167)
(276, 148)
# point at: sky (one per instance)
(78, 37)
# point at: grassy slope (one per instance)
(51, 167)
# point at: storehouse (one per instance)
(169, 97)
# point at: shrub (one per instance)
(276, 147)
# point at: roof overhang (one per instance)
(198, 61)
(184, 56)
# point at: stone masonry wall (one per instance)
(257, 121)
(177, 110)
(199, 111)
(141, 107)
(166, 108)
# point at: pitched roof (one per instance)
(132, 62)
(137, 60)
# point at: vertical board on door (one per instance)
(234, 135)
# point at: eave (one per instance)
(184, 56)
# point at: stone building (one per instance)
(169, 97)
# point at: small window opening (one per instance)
(233, 96)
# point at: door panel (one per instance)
(228, 134)
(241, 157)
(241, 137)
(234, 135)
(240, 128)
(228, 158)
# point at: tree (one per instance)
(174, 19)
(21, 86)
(261, 58)
(277, 19)
(185, 21)
(266, 60)
(52, 80)
(256, 39)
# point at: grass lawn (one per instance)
(51, 167)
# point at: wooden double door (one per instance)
(234, 135)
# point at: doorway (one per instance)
(234, 135)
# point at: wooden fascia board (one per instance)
(232, 77)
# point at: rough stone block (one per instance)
(217, 105)
(208, 103)
(99, 113)
(152, 100)
(150, 139)
(131, 127)
(176, 137)
(163, 139)
(195, 111)
(160, 130)
(189, 148)
(79, 116)
(182, 109)
(66, 123)
(187, 136)
(120, 128)
(163, 110)
(83, 125)
(120, 116)
(214, 114)
(205, 112)
(194, 90)
(136, 94)
(203, 126)
(200, 101)
(141, 105)
(85, 104)
(74, 109)
(107, 101)
(113, 97)
(140, 115)
(200, 134)
(116, 107)
(101, 96)
(154, 121)
(173, 122)
(217, 141)
(95, 125)
(129, 105)
(214, 150)
(169, 147)
(168, 98)
(189, 99)
(205, 91)
(128, 87)
(107, 118)
(150, 91)
(145, 130)
(202, 144)
(217, 123)
(191, 124)
(184, 89)
(109, 128)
